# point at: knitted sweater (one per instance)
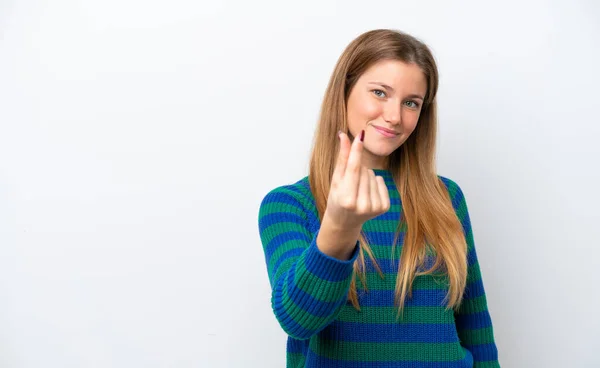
(310, 290)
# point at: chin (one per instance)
(381, 152)
(383, 149)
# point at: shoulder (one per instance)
(454, 190)
(293, 197)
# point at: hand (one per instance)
(356, 194)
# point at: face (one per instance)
(386, 102)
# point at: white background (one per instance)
(137, 139)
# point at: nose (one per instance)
(393, 114)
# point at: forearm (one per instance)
(309, 285)
(310, 294)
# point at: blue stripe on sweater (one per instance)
(297, 346)
(390, 268)
(473, 321)
(474, 289)
(420, 297)
(484, 352)
(385, 298)
(391, 333)
(388, 216)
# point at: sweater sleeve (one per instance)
(473, 321)
(308, 287)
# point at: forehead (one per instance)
(397, 74)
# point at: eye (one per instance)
(377, 94)
(414, 104)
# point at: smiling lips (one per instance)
(385, 132)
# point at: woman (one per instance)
(371, 257)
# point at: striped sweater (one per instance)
(310, 290)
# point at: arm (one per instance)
(308, 287)
(473, 321)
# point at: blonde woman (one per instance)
(371, 256)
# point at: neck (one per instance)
(381, 164)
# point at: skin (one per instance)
(395, 106)
(356, 195)
(389, 94)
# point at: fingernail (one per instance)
(339, 133)
(362, 136)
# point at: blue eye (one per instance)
(378, 90)
(414, 104)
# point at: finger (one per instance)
(363, 202)
(342, 158)
(383, 193)
(353, 167)
(374, 192)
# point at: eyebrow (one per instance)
(392, 89)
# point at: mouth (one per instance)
(386, 132)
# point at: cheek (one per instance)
(365, 108)
(409, 120)
(370, 108)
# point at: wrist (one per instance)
(336, 227)
(337, 241)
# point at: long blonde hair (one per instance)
(427, 214)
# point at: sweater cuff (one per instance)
(327, 267)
